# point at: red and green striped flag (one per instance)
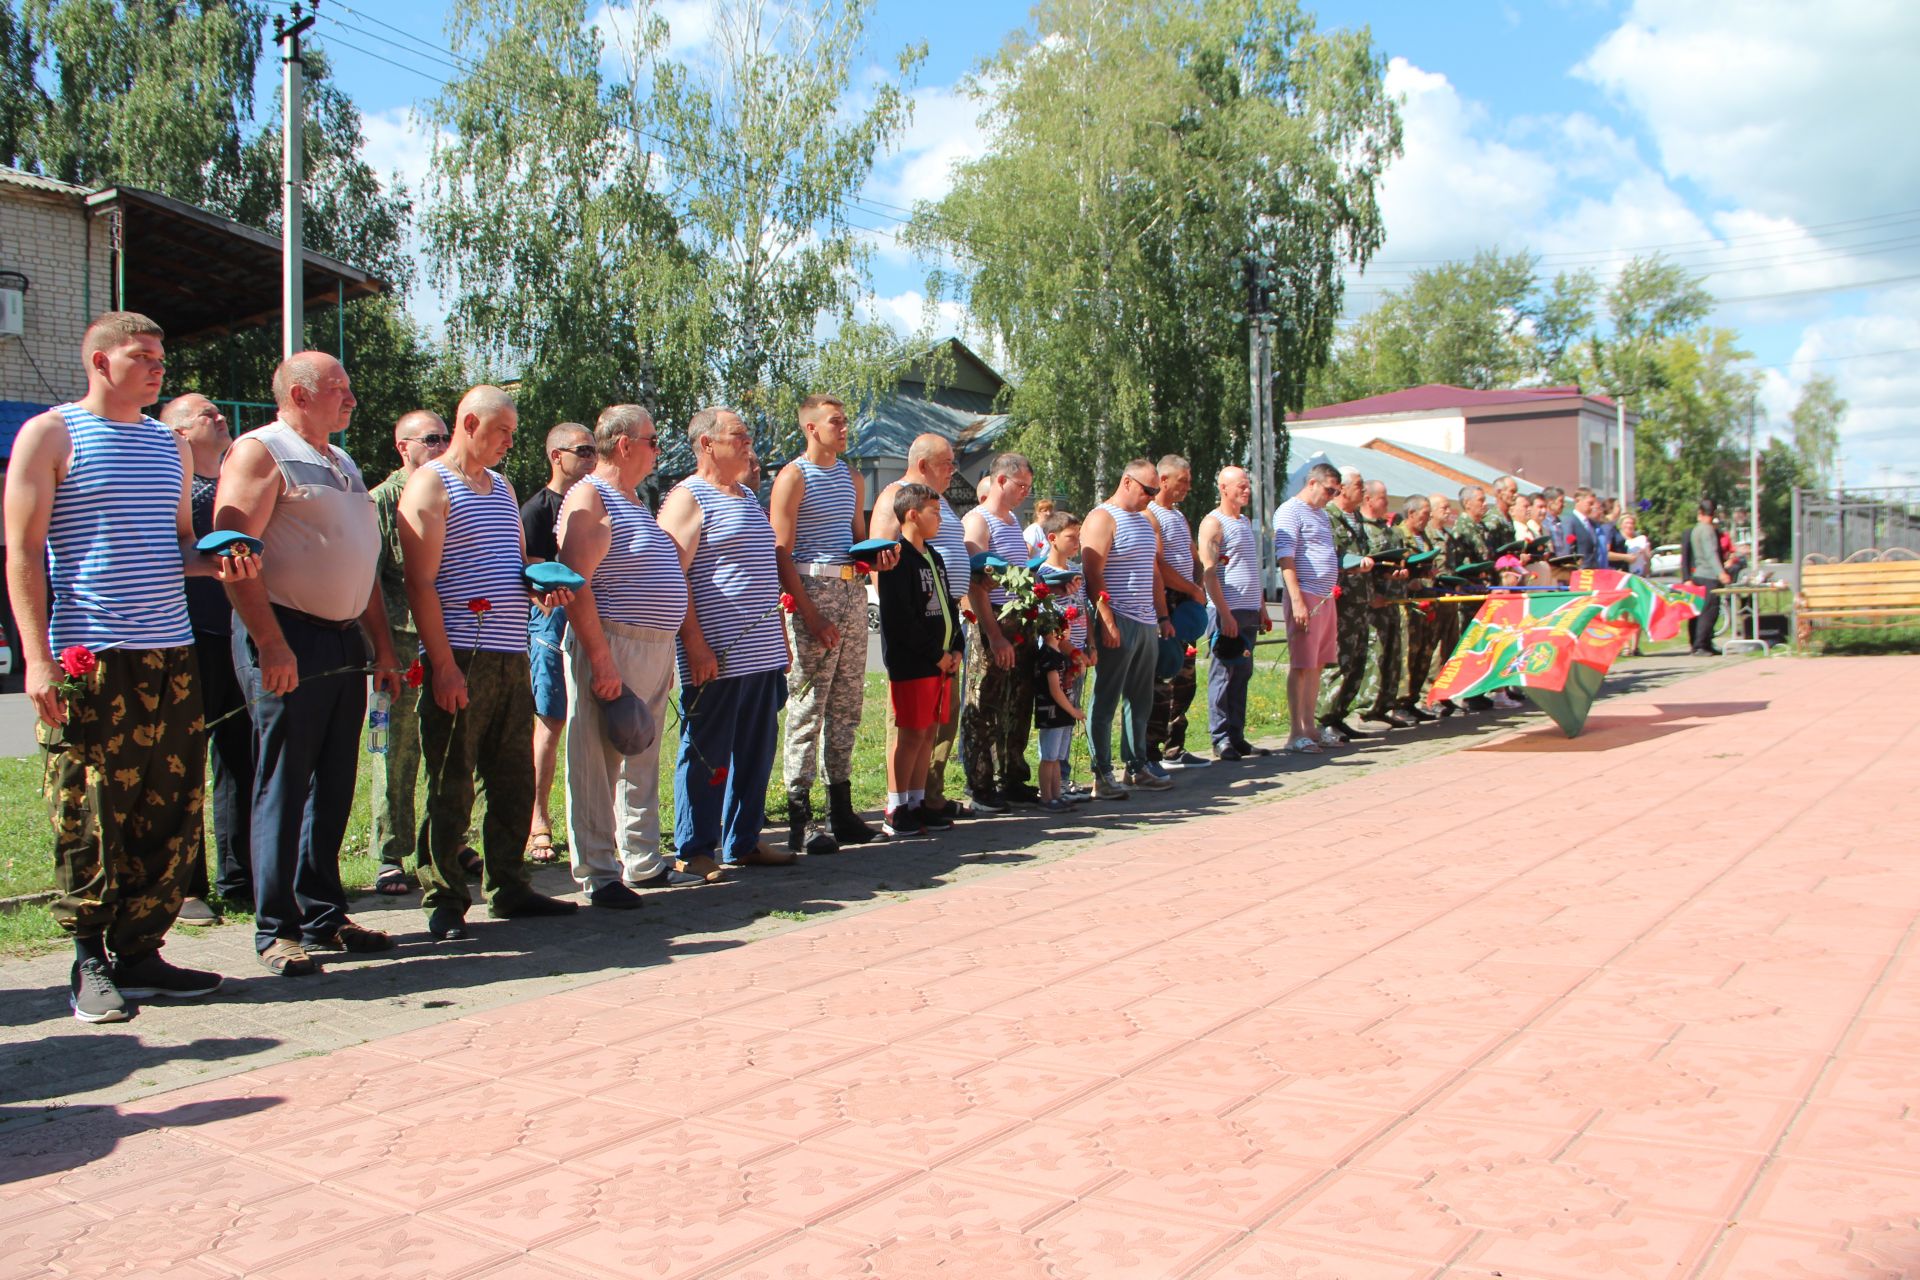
(1554, 646)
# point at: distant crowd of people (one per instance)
(180, 592)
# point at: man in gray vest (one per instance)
(300, 648)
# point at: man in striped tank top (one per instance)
(1230, 569)
(1172, 699)
(733, 655)
(998, 715)
(300, 647)
(930, 462)
(463, 555)
(1120, 554)
(619, 641)
(818, 510)
(99, 526)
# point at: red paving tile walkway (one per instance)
(1640, 1004)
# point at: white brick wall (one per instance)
(43, 236)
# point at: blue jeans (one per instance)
(1227, 682)
(307, 754)
(548, 661)
(1124, 676)
(730, 724)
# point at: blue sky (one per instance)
(1769, 143)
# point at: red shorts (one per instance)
(919, 704)
(1318, 643)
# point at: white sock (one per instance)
(915, 797)
(895, 799)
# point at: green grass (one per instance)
(27, 864)
(1868, 640)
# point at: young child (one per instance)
(920, 644)
(1054, 715)
(1062, 530)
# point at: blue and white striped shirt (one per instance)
(481, 560)
(1005, 540)
(956, 566)
(638, 582)
(1240, 580)
(1129, 568)
(113, 538)
(823, 526)
(1176, 537)
(735, 584)
(1305, 532)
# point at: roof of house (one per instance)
(11, 177)
(1438, 397)
(887, 428)
(1402, 478)
(1469, 469)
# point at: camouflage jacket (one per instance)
(1349, 539)
(1382, 536)
(393, 584)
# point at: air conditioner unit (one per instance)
(13, 304)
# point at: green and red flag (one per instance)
(1660, 612)
(1554, 646)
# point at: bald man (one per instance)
(300, 648)
(418, 437)
(930, 462)
(465, 564)
(198, 422)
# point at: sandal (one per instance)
(540, 847)
(470, 862)
(392, 882)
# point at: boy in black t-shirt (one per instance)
(920, 644)
(1054, 714)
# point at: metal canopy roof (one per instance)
(201, 275)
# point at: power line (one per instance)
(1831, 288)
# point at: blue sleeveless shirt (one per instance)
(1129, 567)
(735, 584)
(823, 527)
(114, 567)
(481, 560)
(639, 581)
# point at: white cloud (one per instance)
(398, 141)
(1804, 109)
(945, 131)
(1882, 391)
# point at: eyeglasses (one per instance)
(432, 442)
(580, 451)
(1152, 490)
(652, 441)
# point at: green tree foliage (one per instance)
(1483, 323)
(1782, 469)
(1816, 427)
(1138, 150)
(675, 236)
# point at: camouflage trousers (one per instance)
(396, 773)
(997, 715)
(1355, 675)
(491, 738)
(1422, 635)
(1167, 724)
(1386, 653)
(124, 784)
(826, 688)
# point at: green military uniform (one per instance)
(1446, 617)
(1466, 544)
(1386, 639)
(395, 773)
(1498, 527)
(1338, 696)
(493, 737)
(1422, 623)
(124, 783)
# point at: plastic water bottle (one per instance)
(378, 708)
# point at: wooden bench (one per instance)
(1876, 593)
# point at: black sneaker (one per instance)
(1021, 793)
(533, 905)
(1425, 717)
(989, 802)
(667, 878)
(92, 995)
(616, 896)
(1184, 760)
(904, 821)
(1249, 750)
(152, 976)
(1228, 754)
(932, 819)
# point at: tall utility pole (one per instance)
(1625, 459)
(1753, 480)
(293, 308)
(1259, 379)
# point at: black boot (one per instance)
(799, 820)
(847, 827)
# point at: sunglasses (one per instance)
(430, 441)
(1152, 490)
(580, 451)
(650, 441)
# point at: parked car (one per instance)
(1665, 562)
(873, 605)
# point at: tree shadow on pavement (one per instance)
(85, 1135)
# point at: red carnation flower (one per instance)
(968, 615)
(1573, 540)
(1072, 612)
(479, 605)
(1105, 598)
(416, 675)
(1032, 614)
(1191, 651)
(1336, 593)
(77, 660)
(719, 777)
(1041, 591)
(861, 566)
(786, 601)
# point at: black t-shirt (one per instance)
(538, 516)
(1048, 714)
(208, 608)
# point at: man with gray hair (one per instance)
(619, 647)
(300, 648)
(1421, 618)
(1386, 641)
(930, 462)
(999, 666)
(1172, 698)
(1498, 519)
(465, 565)
(1120, 549)
(570, 455)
